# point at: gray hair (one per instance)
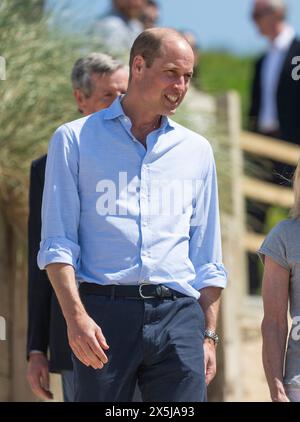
(276, 5)
(148, 45)
(83, 69)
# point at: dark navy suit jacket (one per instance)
(47, 329)
(287, 95)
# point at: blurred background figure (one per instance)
(118, 28)
(274, 107)
(97, 80)
(150, 14)
(71, 17)
(275, 95)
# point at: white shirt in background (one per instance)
(271, 70)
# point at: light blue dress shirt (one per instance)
(123, 214)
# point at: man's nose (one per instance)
(180, 82)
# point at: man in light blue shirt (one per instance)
(130, 213)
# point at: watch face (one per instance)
(212, 335)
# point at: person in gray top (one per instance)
(120, 26)
(280, 253)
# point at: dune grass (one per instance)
(220, 72)
(36, 98)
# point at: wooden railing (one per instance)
(241, 313)
(265, 192)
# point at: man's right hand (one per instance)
(38, 376)
(87, 341)
(85, 336)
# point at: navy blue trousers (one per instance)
(157, 343)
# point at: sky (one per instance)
(221, 23)
(217, 24)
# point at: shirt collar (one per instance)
(116, 110)
(284, 39)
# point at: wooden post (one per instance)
(233, 229)
(5, 312)
(20, 387)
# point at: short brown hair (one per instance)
(147, 45)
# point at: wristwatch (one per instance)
(212, 335)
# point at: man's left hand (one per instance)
(210, 362)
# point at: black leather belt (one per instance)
(142, 291)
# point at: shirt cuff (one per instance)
(58, 250)
(211, 275)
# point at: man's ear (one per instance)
(138, 65)
(79, 98)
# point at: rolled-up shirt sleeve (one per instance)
(61, 206)
(205, 250)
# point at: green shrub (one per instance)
(36, 98)
(220, 72)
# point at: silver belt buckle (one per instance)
(141, 293)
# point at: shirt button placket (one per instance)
(147, 216)
(144, 202)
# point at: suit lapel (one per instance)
(287, 63)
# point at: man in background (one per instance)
(97, 80)
(275, 100)
(150, 14)
(120, 26)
